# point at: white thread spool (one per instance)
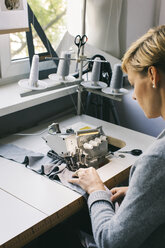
(98, 140)
(93, 143)
(87, 146)
(32, 83)
(117, 78)
(96, 71)
(33, 79)
(103, 138)
(64, 65)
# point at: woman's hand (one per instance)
(88, 179)
(118, 194)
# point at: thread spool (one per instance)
(93, 143)
(33, 79)
(117, 78)
(96, 71)
(103, 138)
(116, 83)
(62, 74)
(94, 82)
(87, 146)
(32, 82)
(98, 140)
(64, 65)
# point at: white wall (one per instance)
(162, 12)
(132, 116)
(137, 17)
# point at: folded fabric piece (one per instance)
(53, 168)
(31, 159)
(17, 154)
(36, 163)
(64, 176)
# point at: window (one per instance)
(51, 15)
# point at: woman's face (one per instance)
(147, 97)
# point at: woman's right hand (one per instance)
(118, 193)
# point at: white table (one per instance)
(31, 203)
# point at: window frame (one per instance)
(11, 68)
(15, 69)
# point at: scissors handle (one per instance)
(83, 40)
(77, 40)
(80, 41)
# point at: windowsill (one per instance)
(11, 101)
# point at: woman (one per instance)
(140, 219)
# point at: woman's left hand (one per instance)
(88, 179)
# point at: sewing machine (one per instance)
(82, 148)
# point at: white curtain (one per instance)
(102, 23)
(103, 19)
(112, 25)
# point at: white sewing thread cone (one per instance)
(62, 74)
(33, 83)
(64, 65)
(33, 79)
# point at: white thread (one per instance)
(117, 77)
(93, 143)
(87, 146)
(98, 140)
(96, 71)
(64, 65)
(33, 79)
(103, 138)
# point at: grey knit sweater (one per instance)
(140, 219)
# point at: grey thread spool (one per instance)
(96, 71)
(64, 65)
(33, 78)
(117, 78)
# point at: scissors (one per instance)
(80, 41)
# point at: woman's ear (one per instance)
(154, 76)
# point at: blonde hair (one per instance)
(146, 51)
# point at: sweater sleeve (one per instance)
(141, 212)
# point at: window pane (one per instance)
(51, 15)
(18, 45)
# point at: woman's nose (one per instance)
(134, 96)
